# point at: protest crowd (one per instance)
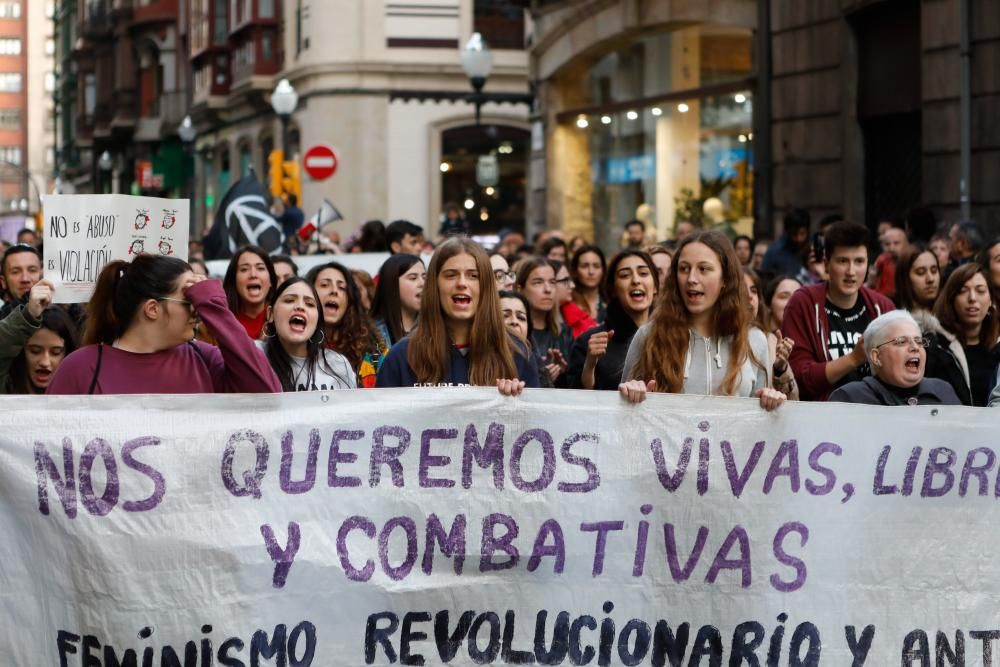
(820, 314)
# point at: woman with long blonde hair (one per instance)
(461, 338)
(701, 339)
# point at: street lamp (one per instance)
(186, 131)
(284, 99)
(105, 163)
(477, 61)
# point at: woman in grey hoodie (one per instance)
(700, 339)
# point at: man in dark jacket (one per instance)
(827, 321)
(785, 256)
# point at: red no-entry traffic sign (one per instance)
(320, 162)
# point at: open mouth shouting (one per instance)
(913, 364)
(462, 301)
(637, 296)
(297, 323)
(255, 290)
(40, 377)
(694, 296)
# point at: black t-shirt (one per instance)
(982, 372)
(846, 328)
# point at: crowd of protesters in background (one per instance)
(823, 313)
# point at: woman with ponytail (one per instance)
(461, 338)
(701, 338)
(138, 338)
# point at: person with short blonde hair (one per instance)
(895, 348)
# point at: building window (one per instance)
(265, 9)
(221, 32)
(10, 10)
(501, 22)
(301, 29)
(50, 82)
(10, 119)
(10, 82)
(267, 48)
(89, 94)
(11, 46)
(11, 154)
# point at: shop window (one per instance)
(678, 141)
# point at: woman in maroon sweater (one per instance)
(139, 334)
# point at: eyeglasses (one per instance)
(905, 341)
(184, 301)
(564, 281)
(502, 275)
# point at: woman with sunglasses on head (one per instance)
(461, 339)
(598, 356)
(575, 317)
(34, 339)
(587, 268)
(139, 332)
(965, 309)
(249, 284)
(397, 297)
(294, 341)
(700, 339)
(349, 329)
(918, 283)
(895, 350)
(551, 339)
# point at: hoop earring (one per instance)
(322, 337)
(269, 330)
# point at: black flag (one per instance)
(243, 218)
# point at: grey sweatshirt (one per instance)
(706, 363)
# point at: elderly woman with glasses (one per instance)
(895, 349)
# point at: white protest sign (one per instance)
(456, 526)
(85, 232)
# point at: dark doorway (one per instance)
(889, 106)
(493, 207)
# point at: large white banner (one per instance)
(456, 526)
(85, 232)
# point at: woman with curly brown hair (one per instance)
(349, 329)
(701, 339)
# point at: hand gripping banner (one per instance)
(456, 526)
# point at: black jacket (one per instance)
(945, 357)
(871, 391)
(608, 372)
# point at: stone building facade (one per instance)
(847, 106)
(379, 82)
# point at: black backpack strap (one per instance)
(97, 368)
